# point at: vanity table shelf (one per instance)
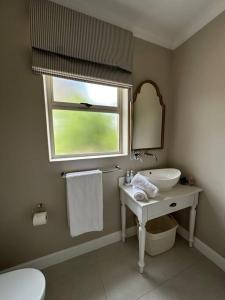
(179, 197)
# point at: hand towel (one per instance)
(142, 183)
(139, 194)
(84, 201)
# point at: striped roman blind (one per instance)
(70, 44)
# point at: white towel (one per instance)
(139, 194)
(84, 201)
(142, 183)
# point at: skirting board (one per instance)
(66, 254)
(69, 253)
(204, 249)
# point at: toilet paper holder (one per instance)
(40, 207)
(39, 216)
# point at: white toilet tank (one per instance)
(23, 284)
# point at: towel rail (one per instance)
(113, 169)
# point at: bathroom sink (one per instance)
(164, 179)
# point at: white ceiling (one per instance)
(164, 22)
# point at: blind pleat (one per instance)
(73, 43)
(56, 65)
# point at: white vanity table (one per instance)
(179, 197)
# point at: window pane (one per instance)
(73, 91)
(81, 132)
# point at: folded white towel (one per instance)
(142, 183)
(84, 201)
(139, 194)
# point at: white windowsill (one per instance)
(86, 157)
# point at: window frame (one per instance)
(124, 123)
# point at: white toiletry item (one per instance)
(142, 183)
(140, 195)
(84, 201)
(40, 218)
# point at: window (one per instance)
(85, 120)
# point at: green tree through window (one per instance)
(77, 129)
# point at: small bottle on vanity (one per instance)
(131, 175)
(127, 178)
(191, 180)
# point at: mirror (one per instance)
(148, 117)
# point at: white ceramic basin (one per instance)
(164, 179)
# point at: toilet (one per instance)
(23, 284)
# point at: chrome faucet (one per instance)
(146, 153)
(138, 155)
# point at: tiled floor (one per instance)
(111, 273)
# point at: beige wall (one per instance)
(198, 130)
(26, 175)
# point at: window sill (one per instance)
(86, 157)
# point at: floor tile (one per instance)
(74, 279)
(122, 280)
(120, 250)
(202, 281)
(118, 266)
(166, 265)
(111, 273)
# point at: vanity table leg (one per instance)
(142, 233)
(192, 224)
(123, 221)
